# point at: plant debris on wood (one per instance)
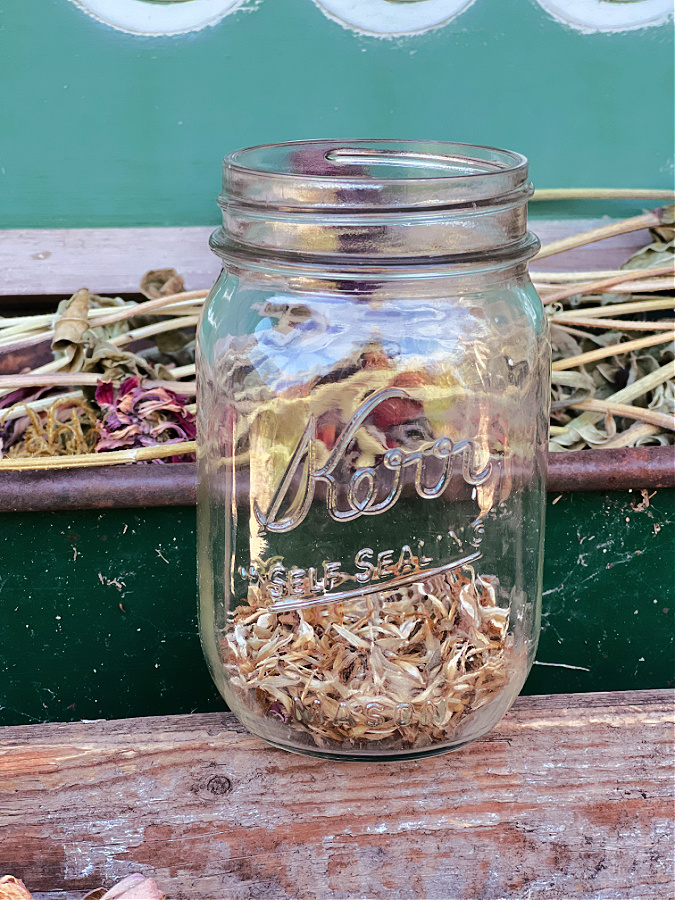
(613, 337)
(122, 373)
(403, 668)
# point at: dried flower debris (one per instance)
(67, 427)
(138, 416)
(133, 887)
(401, 669)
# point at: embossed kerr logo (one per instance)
(369, 490)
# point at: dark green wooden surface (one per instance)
(99, 608)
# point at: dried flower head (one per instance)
(137, 416)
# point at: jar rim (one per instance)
(362, 174)
(340, 199)
(399, 153)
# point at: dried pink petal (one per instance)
(134, 887)
(137, 416)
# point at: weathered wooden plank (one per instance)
(570, 796)
(59, 261)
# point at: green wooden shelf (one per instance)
(100, 621)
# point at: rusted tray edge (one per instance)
(174, 484)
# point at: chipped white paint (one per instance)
(145, 17)
(591, 16)
(387, 19)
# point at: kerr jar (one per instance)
(374, 376)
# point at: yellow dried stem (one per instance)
(631, 392)
(631, 436)
(141, 309)
(83, 379)
(555, 279)
(600, 286)
(613, 350)
(660, 420)
(62, 379)
(183, 371)
(146, 331)
(635, 223)
(108, 458)
(19, 409)
(611, 324)
(612, 309)
(604, 194)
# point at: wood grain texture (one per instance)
(570, 796)
(60, 261)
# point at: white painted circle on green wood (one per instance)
(609, 15)
(158, 18)
(392, 18)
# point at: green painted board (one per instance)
(99, 608)
(105, 128)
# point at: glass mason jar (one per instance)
(374, 378)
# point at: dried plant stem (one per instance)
(22, 330)
(644, 384)
(19, 409)
(604, 194)
(610, 324)
(19, 341)
(648, 286)
(138, 334)
(183, 371)
(575, 331)
(613, 350)
(660, 420)
(612, 309)
(182, 388)
(593, 287)
(62, 379)
(25, 322)
(630, 436)
(555, 279)
(635, 223)
(82, 379)
(34, 329)
(631, 392)
(52, 366)
(111, 457)
(127, 312)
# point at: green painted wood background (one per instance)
(98, 609)
(102, 128)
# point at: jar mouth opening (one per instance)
(360, 174)
(354, 159)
